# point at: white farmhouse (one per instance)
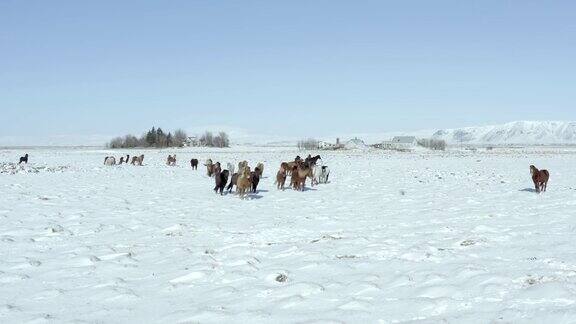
(404, 142)
(326, 145)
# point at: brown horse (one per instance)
(216, 168)
(540, 178)
(289, 166)
(24, 159)
(295, 181)
(305, 171)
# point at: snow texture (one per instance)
(455, 237)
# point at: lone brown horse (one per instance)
(540, 178)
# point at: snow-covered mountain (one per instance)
(520, 132)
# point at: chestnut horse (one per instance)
(281, 178)
(540, 178)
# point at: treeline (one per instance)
(308, 144)
(433, 144)
(155, 137)
(210, 140)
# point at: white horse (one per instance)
(324, 174)
(110, 160)
(230, 167)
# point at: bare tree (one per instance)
(115, 143)
(179, 137)
(221, 140)
(434, 144)
(207, 139)
(308, 144)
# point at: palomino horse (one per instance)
(540, 178)
(242, 165)
(244, 184)
(209, 167)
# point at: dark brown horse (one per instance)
(540, 178)
(221, 179)
(255, 179)
(194, 164)
(312, 160)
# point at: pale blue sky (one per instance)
(283, 67)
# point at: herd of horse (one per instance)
(246, 180)
(299, 170)
(136, 160)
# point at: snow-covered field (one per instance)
(395, 237)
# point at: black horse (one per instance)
(24, 159)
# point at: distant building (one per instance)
(399, 143)
(355, 143)
(404, 142)
(323, 145)
(326, 145)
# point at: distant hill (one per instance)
(519, 132)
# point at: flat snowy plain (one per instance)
(455, 237)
